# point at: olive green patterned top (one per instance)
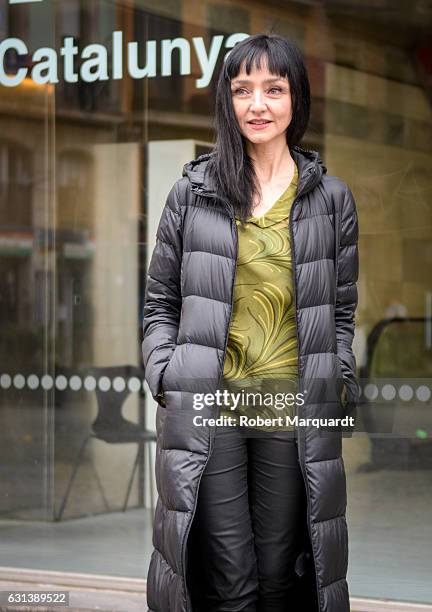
(262, 342)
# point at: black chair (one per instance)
(111, 427)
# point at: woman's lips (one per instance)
(259, 126)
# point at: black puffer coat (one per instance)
(188, 304)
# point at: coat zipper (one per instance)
(213, 429)
(232, 296)
(298, 371)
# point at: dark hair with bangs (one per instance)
(230, 165)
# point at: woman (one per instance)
(252, 522)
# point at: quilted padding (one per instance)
(188, 302)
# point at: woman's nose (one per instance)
(257, 101)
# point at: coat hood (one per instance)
(309, 163)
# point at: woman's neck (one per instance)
(271, 161)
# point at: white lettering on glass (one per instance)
(95, 66)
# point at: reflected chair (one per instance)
(111, 427)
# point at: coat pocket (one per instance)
(167, 368)
(341, 388)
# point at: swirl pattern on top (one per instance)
(262, 340)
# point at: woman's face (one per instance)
(261, 96)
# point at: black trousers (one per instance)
(249, 525)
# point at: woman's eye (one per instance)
(278, 89)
